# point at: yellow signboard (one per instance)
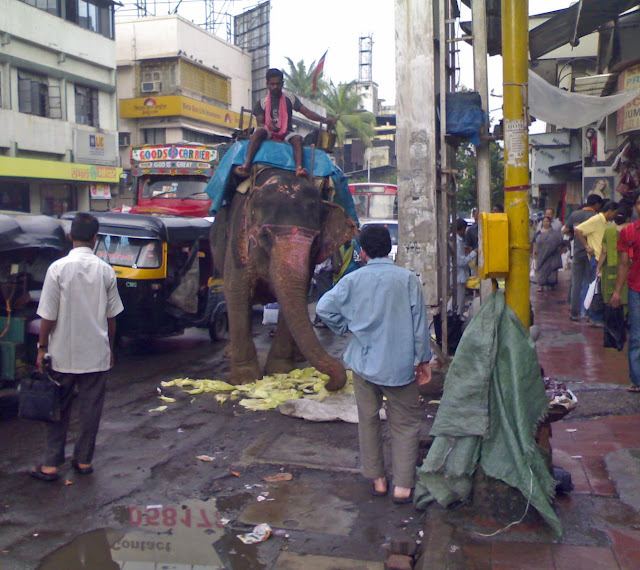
(177, 105)
(628, 118)
(52, 170)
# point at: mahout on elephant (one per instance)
(266, 241)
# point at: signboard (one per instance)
(173, 152)
(100, 191)
(95, 148)
(178, 106)
(598, 180)
(53, 170)
(628, 118)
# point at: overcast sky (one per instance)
(304, 29)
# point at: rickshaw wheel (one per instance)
(219, 328)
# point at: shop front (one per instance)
(52, 188)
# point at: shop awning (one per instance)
(568, 26)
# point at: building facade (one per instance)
(58, 107)
(188, 86)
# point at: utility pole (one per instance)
(416, 144)
(483, 160)
(515, 40)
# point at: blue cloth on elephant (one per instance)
(279, 155)
(493, 399)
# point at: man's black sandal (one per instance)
(403, 500)
(81, 470)
(38, 473)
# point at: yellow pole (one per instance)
(515, 48)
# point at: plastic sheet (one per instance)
(571, 110)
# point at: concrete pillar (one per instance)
(416, 146)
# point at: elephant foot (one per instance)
(243, 374)
(279, 366)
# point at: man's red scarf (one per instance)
(283, 117)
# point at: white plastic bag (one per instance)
(591, 291)
(532, 270)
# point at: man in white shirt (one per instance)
(78, 306)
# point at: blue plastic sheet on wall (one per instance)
(465, 116)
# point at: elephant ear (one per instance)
(337, 228)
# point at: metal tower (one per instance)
(366, 53)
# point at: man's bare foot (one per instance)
(402, 495)
(243, 170)
(380, 487)
(301, 171)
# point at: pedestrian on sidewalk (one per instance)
(78, 306)
(590, 234)
(464, 256)
(580, 271)
(383, 306)
(607, 268)
(629, 273)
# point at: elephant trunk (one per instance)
(289, 273)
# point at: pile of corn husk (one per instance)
(267, 393)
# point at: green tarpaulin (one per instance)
(493, 400)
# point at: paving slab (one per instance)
(624, 469)
(295, 450)
(303, 508)
(294, 561)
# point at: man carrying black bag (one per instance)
(78, 306)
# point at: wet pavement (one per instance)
(152, 504)
(597, 443)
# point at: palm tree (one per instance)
(342, 103)
(300, 80)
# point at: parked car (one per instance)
(392, 226)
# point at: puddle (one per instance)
(190, 534)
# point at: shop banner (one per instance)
(100, 191)
(53, 170)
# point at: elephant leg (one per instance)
(244, 358)
(281, 358)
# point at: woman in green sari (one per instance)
(608, 262)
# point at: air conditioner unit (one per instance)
(151, 86)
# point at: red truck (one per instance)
(170, 178)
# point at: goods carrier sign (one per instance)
(174, 153)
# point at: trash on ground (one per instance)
(235, 473)
(166, 398)
(339, 407)
(433, 402)
(572, 430)
(269, 392)
(259, 533)
(261, 498)
(68, 482)
(204, 457)
(278, 477)
(158, 409)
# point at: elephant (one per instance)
(265, 243)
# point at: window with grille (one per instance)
(87, 106)
(154, 136)
(33, 93)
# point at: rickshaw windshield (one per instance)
(139, 253)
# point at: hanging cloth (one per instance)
(283, 117)
(571, 110)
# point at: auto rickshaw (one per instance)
(163, 265)
(28, 245)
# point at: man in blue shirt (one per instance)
(383, 306)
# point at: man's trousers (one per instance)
(91, 390)
(404, 416)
